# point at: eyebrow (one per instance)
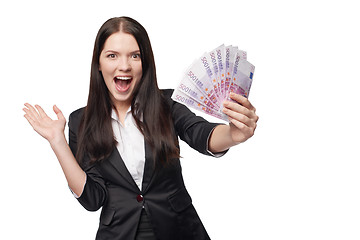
(136, 51)
(113, 51)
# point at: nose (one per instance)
(124, 65)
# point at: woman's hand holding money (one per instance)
(242, 117)
(243, 121)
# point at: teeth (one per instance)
(123, 78)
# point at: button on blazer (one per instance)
(110, 186)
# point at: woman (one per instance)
(123, 151)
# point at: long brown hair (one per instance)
(96, 139)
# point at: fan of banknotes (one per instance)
(212, 77)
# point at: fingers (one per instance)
(248, 131)
(58, 113)
(41, 111)
(35, 114)
(241, 111)
(242, 100)
(31, 115)
(238, 117)
(31, 111)
(28, 117)
(237, 108)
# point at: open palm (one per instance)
(48, 128)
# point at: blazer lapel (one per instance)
(116, 160)
(149, 168)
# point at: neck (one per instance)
(121, 110)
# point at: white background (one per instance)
(297, 178)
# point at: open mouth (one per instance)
(122, 83)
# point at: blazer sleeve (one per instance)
(192, 129)
(94, 193)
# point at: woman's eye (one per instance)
(111, 55)
(136, 55)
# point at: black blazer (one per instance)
(168, 204)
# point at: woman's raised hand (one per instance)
(51, 130)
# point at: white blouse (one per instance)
(130, 144)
